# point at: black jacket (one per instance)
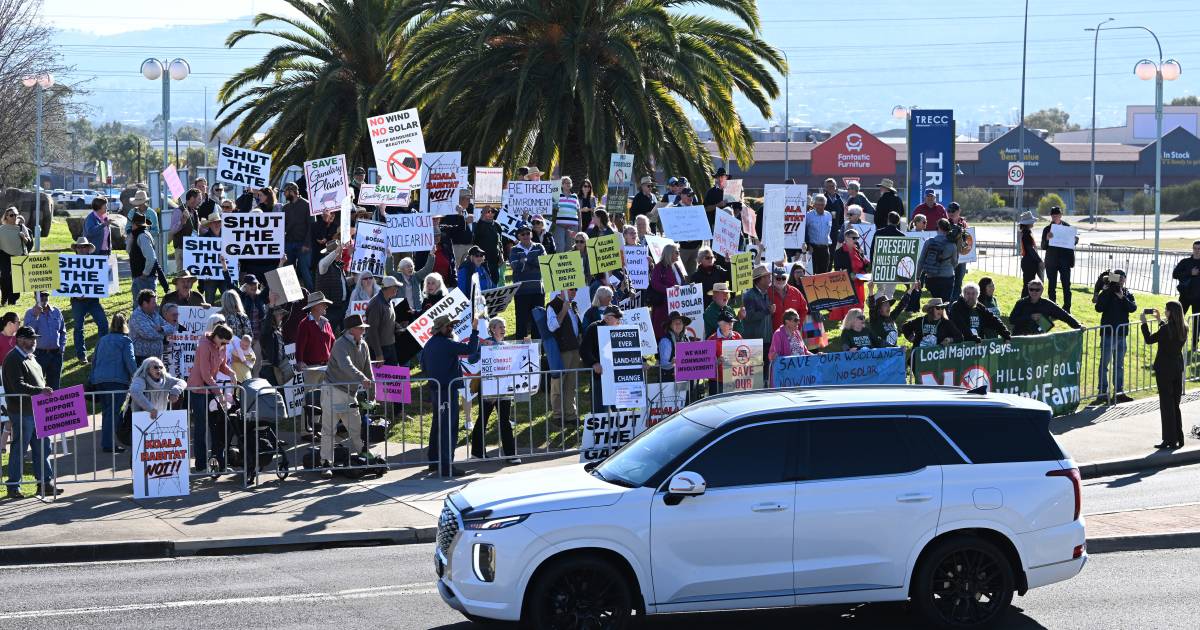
(708, 278)
(1115, 310)
(1021, 317)
(642, 204)
(455, 226)
(918, 329)
(977, 322)
(888, 202)
(1057, 255)
(22, 375)
(297, 221)
(1168, 361)
(1189, 285)
(887, 230)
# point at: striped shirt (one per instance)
(566, 211)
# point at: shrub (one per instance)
(1049, 201)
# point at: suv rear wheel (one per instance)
(580, 592)
(963, 582)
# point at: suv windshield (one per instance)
(638, 460)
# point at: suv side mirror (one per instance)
(684, 484)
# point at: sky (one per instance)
(850, 61)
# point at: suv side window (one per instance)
(856, 447)
(755, 455)
(994, 435)
(926, 444)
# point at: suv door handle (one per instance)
(768, 507)
(914, 497)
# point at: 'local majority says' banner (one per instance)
(876, 366)
(1042, 367)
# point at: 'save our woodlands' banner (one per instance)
(875, 366)
(328, 183)
(243, 167)
(398, 144)
(160, 454)
(202, 257)
(620, 175)
(246, 235)
(894, 258)
(83, 276)
(1042, 367)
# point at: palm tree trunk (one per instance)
(574, 158)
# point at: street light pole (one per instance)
(1021, 122)
(1095, 186)
(787, 123)
(153, 69)
(39, 83)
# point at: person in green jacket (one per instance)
(720, 304)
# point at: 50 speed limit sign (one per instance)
(1016, 174)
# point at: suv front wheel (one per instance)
(580, 592)
(963, 582)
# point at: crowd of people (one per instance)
(337, 346)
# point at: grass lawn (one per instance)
(1166, 244)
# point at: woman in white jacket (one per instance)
(153, 389)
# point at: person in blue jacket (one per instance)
(474, 264)
(524, 260)
(112, 372)
(439, 362)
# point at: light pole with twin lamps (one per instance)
(154, 69)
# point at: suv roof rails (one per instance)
(806, 388)
(982, 390)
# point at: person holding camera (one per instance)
(1114, 303)
(1187, 274)
(1168, 369)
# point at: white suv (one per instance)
(950, 498)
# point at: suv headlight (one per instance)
(494, 523)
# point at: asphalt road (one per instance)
(393, 587)
(1143, 489)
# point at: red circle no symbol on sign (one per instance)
(403, 166)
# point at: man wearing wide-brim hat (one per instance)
(643, 202)
(184, 295)
(381, 338)
(23, 377)
(314, 336)
(719, 305)
(185, 222)
(143, 258)
(140, 202)
(81, 307)
(439, 363)
(933, 328)
(888, 201)
(757, 308)
(349, 369)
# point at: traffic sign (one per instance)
(1099, 178)
(1016, 173)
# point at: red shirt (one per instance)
(314, 342)
(932, 214)
(792, 298)
(6, 343)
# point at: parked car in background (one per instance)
(82, 197)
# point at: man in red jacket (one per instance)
(783, 297)
(931, 208)
(314, 336)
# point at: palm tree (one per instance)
(567, 82)
(313, 91)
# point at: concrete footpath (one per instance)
(101, 521)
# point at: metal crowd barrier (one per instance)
(999, 257)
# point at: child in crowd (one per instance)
(241, 357)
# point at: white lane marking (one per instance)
(419, 588)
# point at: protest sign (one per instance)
(562, 271)
(923, 235)
(160, 454)
(637, 265)
(1041, 367)
(866, 235)
(370, 248)
(243, 167)
(604, 433)
(685, 223)
(733, 190)
(392, 384)
(507, 370)
(114, 275)
(328, 183)
(741, 272)
(252, 235)
(894, 258)
(663, 400)
(508, 224)
(489, 183)
(727, 233)
(795, 203)
(171, 176)
(452, 306)
(357, 307)
(620, 175)
(84, 276)
(688, 299)
(530, 198)
(181, 345)
(439, 183)
(656, 245)
(409, 232)
(35, 272)
(621, 360)
(870, 366)
(498, 299)
(384, 195)
(604, 253)
(283, 281)
(741, 365)
(828, 290)
(749, 219)
(202, 257)
(293, 390)
(59, 411)
(773, 229)
(695, 360)
(967, 252)
(640, 317)
(1063, 236)
(398, 145)
(344, 215)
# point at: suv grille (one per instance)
(447, 528)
